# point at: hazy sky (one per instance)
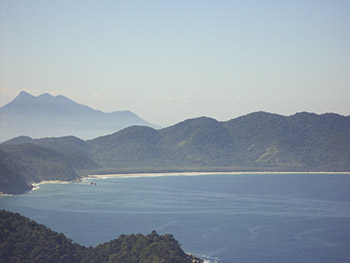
(171, 60)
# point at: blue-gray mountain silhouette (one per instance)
(53, 116)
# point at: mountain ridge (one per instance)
(255, 142)
(55, 116)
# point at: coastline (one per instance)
(4, 195)
(36, 186)
(131, 175)
(52, 182)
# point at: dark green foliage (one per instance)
(304, 141)
(197, 142)
(11, 179)
(28, 163)
(128, 147)
(140, 248)
(258, 141)
(23, 240)
(73, 150)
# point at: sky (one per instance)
(168, 61)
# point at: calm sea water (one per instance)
(222, 218)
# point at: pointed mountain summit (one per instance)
(53, 116)
(24, 94)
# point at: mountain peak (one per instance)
(23, 94)
(51, 116)
(46, 95)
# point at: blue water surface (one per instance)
(222, 218)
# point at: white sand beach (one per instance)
(105, 176)
(36, 186)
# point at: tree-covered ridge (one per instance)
(140, 248)
(256, 142)
(23, 240)
(24, 164)
(69, 149)
(12, 180)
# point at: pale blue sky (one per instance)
(171, 60)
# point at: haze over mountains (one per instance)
(53, 116)
(256, 142)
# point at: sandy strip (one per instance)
(36, 186)
(105, 176)
(55, 182)
(4, 195)
(52, 182)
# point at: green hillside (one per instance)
(72, 150)
(12, 180)
(23, 240)
(256, 142)
(24, 164)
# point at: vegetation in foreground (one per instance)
(23, 240)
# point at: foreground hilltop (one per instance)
(24, 240)
(256, 142)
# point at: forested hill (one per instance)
(23, 240)
(24, 164)
(256, 142)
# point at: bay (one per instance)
(221, 218)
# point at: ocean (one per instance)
(224, 218)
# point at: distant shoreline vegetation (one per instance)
(257, 142)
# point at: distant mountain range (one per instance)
(256, 142)
(53, 116)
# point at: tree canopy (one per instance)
(24, 240)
